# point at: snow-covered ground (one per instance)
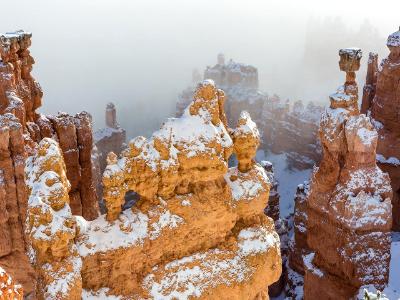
(288, 179)
(393, 290)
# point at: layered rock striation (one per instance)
(381, 100)
(22, 128)
(21, 95)
(342, 228)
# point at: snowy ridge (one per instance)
(131, 229)
(105, 132)
(247, 186)
(246, 126)
(390, 160)
(394, 39)
(193, 275)
(191, 135)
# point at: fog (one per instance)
(140, 54)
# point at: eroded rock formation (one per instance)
(22, 128)
(51, 227)
(8, 288)
(272, 210)
(21, 95)
(289, 128)
(342, 231)
(111, 138)
(187, 193)
(381, 100)
(292, 129)
(282, 227)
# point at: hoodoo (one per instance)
(187, 192)
(343, 215)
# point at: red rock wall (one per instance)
(22, 128)
(345, 210)
(21, 95)
(13, 203)
(383, 104)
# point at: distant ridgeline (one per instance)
(289, 128)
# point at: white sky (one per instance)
(140, 54)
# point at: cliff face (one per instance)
(21, 95)
(282, 227)
(383, 105)
(292, 129)
(342, 231)
(51, 227)
(187, 193)
(285, 128)
(22, 128)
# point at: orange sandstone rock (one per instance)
(383, 104)
(8, 288)
(21, 95)
(345, 210)
(187, 193)
(51, 226)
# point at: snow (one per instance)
(392, 290)
(8, 286)
(340, 95)
(63, 278)
(394, 39)
(367, 136)
(378, 125)
(56, 226)
(361, 124)
(391, 160)
(101, 236)
(246, 186)
(256, 240)
(105, 132)
(307, 259)
(288, 179)
(248, 127)
(190, 276)
(131, 229)
(374, 177)
(298, 280)
(101, 294)
(165, 220)
(192, 134)
(352, 52)
(186, 203)
(365, 209)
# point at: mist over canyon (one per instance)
(140, 54)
